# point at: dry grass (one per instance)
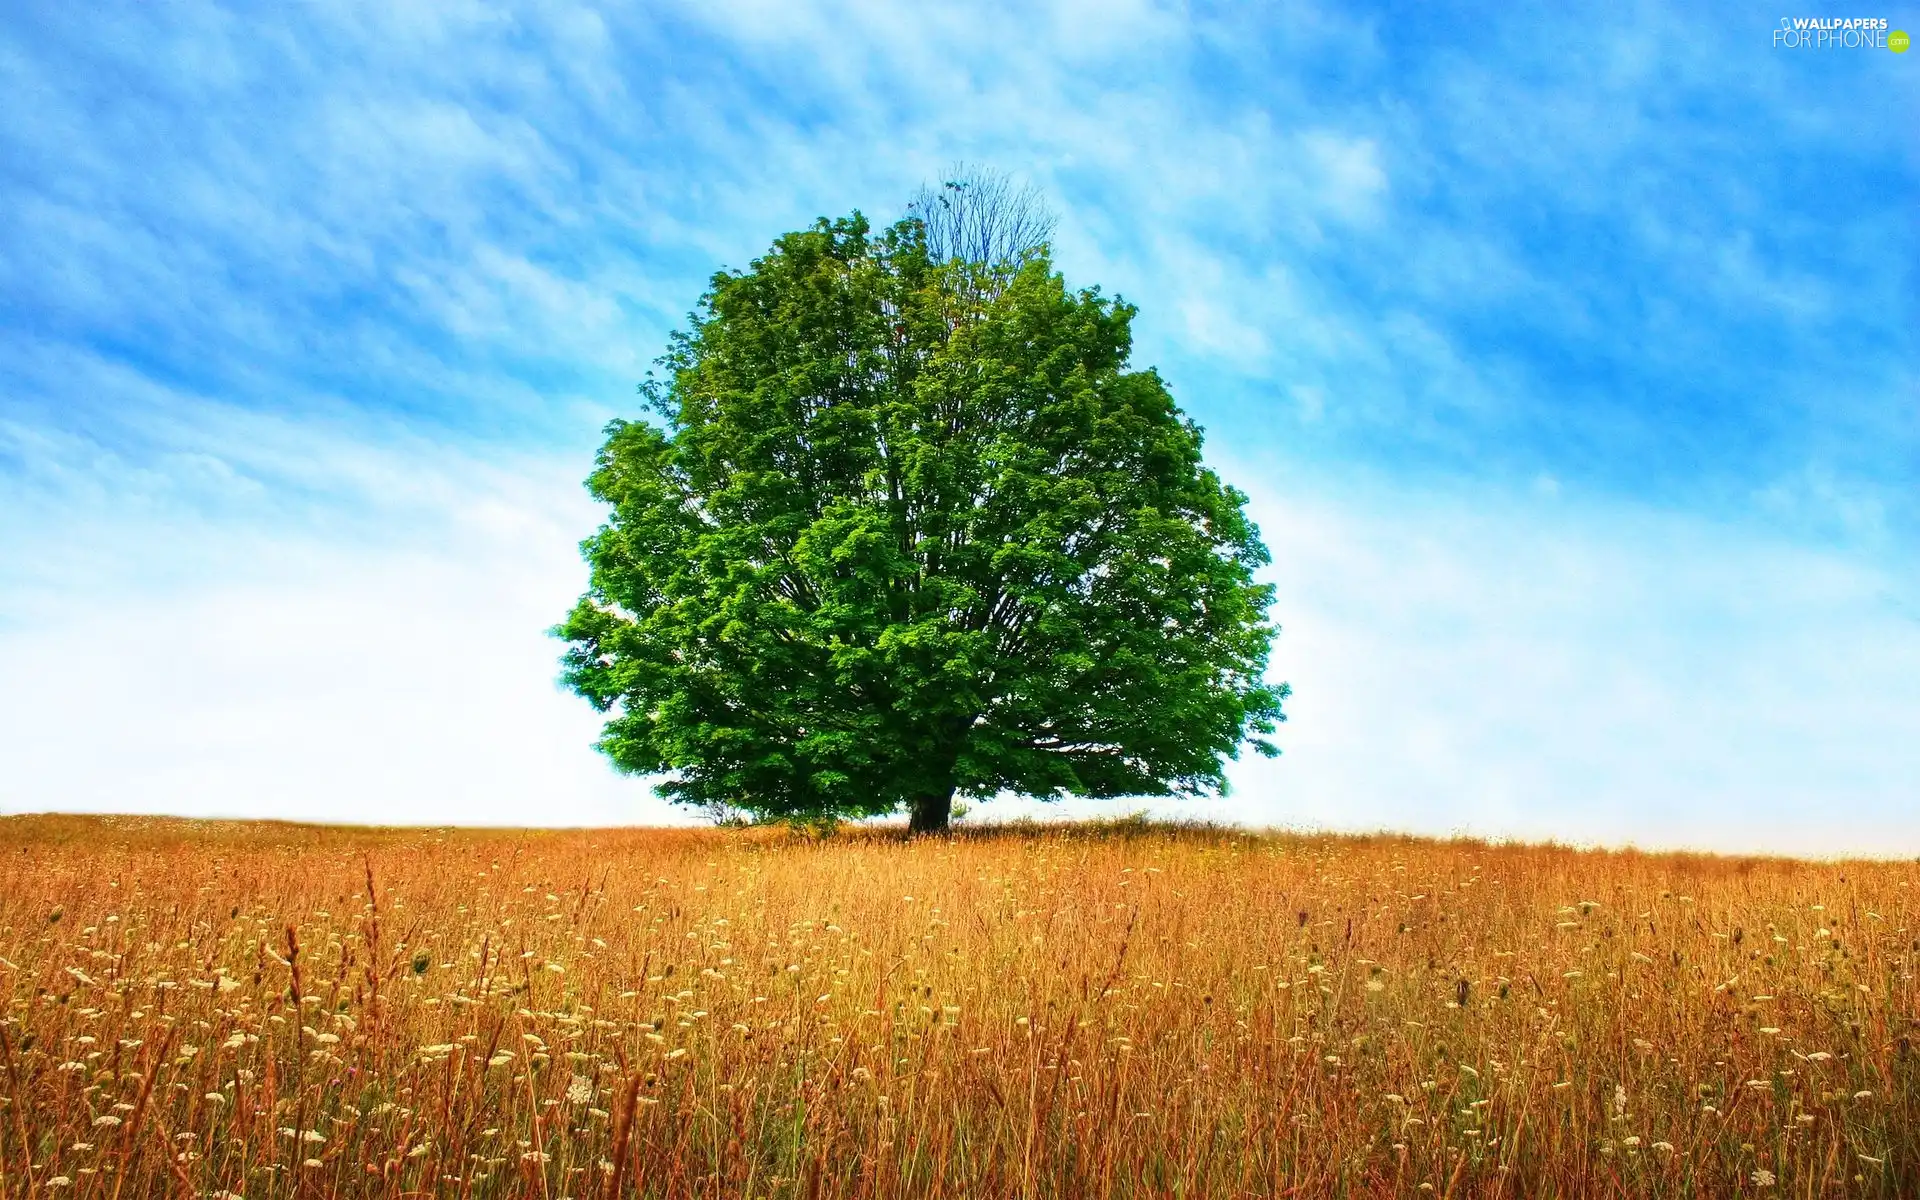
(260, 1010)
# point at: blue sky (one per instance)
(1567, 352)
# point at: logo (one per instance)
(1839, 33)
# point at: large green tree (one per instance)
(906, 529)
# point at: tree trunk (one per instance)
(931, 812)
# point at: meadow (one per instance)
(259, 1010)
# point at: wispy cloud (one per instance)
(1527, 665)
(407, 683)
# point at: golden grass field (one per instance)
(259, 1010)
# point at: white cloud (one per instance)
(1351, 176)
(308, 678)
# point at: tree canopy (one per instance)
(903, 528)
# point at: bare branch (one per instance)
(980, 217)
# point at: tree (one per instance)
(908, 527)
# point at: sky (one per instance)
(1568, 354)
